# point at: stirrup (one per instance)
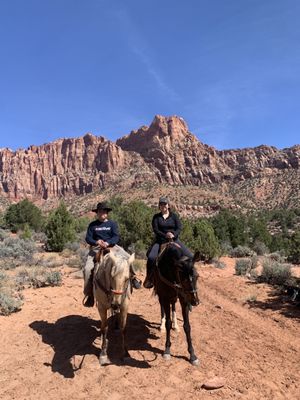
(88, 301)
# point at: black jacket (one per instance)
(161, 226)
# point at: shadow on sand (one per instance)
(278, 300)
(74, 335)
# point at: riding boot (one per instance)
(148, 282)
(89, 300)
(135, 282)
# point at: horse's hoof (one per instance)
(104, 360)
(167, 356)
(195, 363)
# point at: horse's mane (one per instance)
(119, 258)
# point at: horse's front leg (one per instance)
(103, 359)
(122, 321)
(187, 329)
(162, 327)
(166, 306)
(174, 318)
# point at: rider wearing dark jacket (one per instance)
(101, 234)
(166, 226)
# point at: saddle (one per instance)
(100, 254)
(162, 249)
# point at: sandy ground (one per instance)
(50, 349)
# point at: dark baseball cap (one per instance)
(102, 206)
(163, 200)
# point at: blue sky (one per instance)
(230, 68)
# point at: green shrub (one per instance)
(294, 251)
(204, 240)
(3, 235)
(39, 237)
(276, 256)
(260, 248)
(241, 251)
(9, 303)
(225, 248)
(59, 228)
(26, 234)
(39, 277)
(242, 266)
(218, 263)
(24, 212)
(275, 273)
(15, 248)
(3, 278)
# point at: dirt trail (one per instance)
(50, 348)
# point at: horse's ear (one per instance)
(197, 256)
(131, 259)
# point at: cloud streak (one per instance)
(140, 49)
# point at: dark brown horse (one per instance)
(175, 279)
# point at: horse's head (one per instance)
(189, 277)
(180, 268)
(119, 278)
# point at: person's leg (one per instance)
(187, 252)
(88, 283)
(152, 256)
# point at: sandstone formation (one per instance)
(165, 153)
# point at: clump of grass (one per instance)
(3, 279)
(18, 249)
(3, 235)
(241, 251)
(242, 266)
(9, 303)
(276, 256)
(251, 298)
(39, 277)
(276, 273)
(246, 266)
(260, 248)
(218, 263)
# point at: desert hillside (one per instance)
(164, 157)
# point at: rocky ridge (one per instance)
(164, 155)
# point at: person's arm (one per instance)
(156, 230)
(89, 236)
(178, 226)
(115, 237)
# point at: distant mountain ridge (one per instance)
(165, 155)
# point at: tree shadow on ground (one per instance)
(278, 300)
(74, 335)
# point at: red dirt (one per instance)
(50, 348)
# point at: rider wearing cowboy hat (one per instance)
(101, 233)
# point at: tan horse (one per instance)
(112, 290)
